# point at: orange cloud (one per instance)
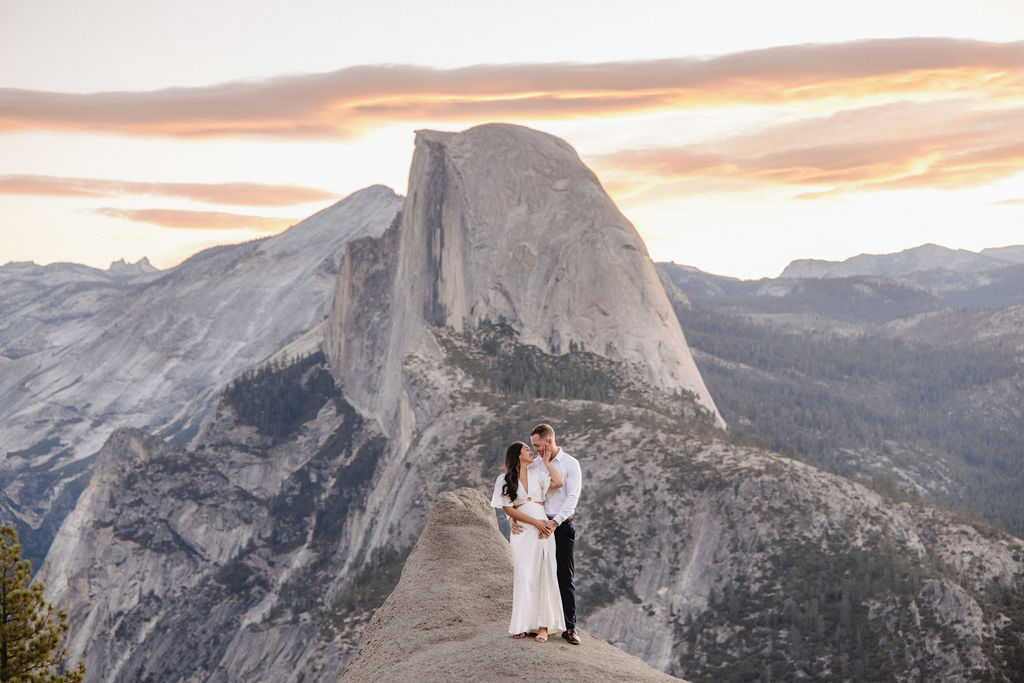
(352, 100)
(199, 220)
(244, 194)
(948, 144)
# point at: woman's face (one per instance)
(525, 455)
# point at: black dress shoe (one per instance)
(571, 636)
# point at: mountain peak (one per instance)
(140, 267)
(505, 224)
(447, 619)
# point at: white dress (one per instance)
(536, 602)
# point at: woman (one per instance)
(520, 492)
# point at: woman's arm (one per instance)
(556, 478)
(517, 515)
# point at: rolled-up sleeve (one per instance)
(573, 486)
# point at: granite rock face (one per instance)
(84, 351)
(503, 224)
(224, 562)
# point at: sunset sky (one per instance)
(736, 136)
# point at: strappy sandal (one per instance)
(541, 638)
(520, 635)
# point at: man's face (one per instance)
(539, 444)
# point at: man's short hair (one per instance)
(544, 431)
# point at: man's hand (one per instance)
(514, 526)
(551, 525)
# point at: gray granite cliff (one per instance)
(502, 224)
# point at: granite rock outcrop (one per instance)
(447, 619)
(502, 224)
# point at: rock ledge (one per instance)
(447, 618)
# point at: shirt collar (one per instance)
(539, 461)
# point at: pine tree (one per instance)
(30, 629)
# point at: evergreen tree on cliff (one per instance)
(30, 629)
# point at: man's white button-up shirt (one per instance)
(562, 503)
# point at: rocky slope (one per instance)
(963, 329)
(447, 619)
(223, 562)
(259, 550)
(83, 351)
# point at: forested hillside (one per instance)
(867, 405)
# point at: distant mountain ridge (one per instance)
(852, 299)
(913, 260)
(869, 288)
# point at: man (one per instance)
(561, 510)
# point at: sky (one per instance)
(736, 136)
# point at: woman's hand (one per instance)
(543, 530)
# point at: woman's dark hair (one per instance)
(511, 487)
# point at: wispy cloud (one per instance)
(353, 100)
(242, 194)
(947, 144)
(199, 220)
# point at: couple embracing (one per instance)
(539, 494)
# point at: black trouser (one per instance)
(565, 539)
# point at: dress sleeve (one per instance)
(497, 499)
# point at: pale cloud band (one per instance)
(951, 144)
(240, 194)
(199, 220)
(353, 100)
(883, 114)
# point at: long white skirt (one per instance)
(536, 602)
